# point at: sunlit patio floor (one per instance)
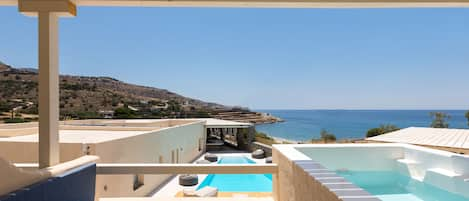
(190, 199)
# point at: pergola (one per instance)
(49, 11)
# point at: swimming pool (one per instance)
(238, 182)
(393, 186)
(387, 172)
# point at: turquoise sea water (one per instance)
(392, 186)
(238, 182)
(307, 124)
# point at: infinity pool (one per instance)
(393, 186)
(238, 182)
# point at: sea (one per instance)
(301, 125)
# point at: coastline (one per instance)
(285, 141)
(349, 125)
(256, 118)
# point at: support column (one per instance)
(48, 89)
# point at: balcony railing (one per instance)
(151, 168)
(166, 169)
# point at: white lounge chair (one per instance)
(204, 192)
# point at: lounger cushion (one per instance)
(258, 154)
(207, 192)
(211, 157)
(203, 162)
(188, 180)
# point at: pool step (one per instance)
(444, 172)
(407, 161)
(445, 179)
(411, 167)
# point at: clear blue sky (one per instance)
(266, 58)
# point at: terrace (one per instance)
(299, 172)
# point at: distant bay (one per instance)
(348, 124)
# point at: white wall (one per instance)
(178, 143)
(167, 144)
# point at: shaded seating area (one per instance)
(73, 180)
(214, 144)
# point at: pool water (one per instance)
(392, 186)
(238, 182)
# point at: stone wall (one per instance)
(245, 137)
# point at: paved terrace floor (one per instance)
(189, 199)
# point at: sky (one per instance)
(265, 58)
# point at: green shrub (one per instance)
(374, 132)
(439, 119)
(4, 107)
(16, 120)
(327, 137)
(87, 115)
(124, 113)
(467, 117)
(264, 138)
(381, 130)
(262, 135)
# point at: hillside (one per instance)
(83, 97)
(86, 96)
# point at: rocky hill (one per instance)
(82, 95)
(85, 97)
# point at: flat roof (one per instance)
(101, 130)
(79, 136)
(440, 137)
(220, 123)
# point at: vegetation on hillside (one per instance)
(83, 97)
(382, 129)
(264, 138)
(439, 120)
(16, 120)
(325, 137)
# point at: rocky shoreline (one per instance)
(248, 117)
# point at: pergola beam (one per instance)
(279, 3)
(269, 3)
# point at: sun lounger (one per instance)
(204, 192)
(258, 154)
